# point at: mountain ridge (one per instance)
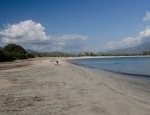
(136, 49)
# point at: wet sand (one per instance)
(40, 87)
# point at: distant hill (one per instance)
(51, 54)
(31, 51)
(136, 49)
(39, 52)
(58, 54)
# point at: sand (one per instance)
(43, 88)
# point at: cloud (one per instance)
(32, 35)
(143, 37)
(25, 31)
(67, 42)
(147, 16)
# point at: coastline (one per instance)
(44, 88)
(132, 74)
(86, 57)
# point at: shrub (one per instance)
(15, 51)
(2, 56)
(14, 48)
(5, 56)
(28, 55)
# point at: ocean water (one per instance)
(134, 66)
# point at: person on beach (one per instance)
(57, 62)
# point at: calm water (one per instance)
(135, 66)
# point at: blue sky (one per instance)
(75, 25)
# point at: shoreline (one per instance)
(137, 77)
(44, 88)
(87, 57)
(134, 75)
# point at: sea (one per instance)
(132, 66)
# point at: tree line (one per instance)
(12, 52)
(114, 54)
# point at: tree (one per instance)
(14, 48)
(2, 56)
(5, 56)
(16, 51)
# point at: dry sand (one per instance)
(42, 88)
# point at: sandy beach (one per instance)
(39, 87)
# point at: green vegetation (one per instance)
(113, 54)
(5, 56)
(12, 52)
(146, 53)
(15, 51)
(87, 54)
(59, 54)
(52, 54)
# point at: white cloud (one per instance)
(147, 16)
(144, 36)
(25, 31)
(31, 34)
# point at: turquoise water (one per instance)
(135, 66)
